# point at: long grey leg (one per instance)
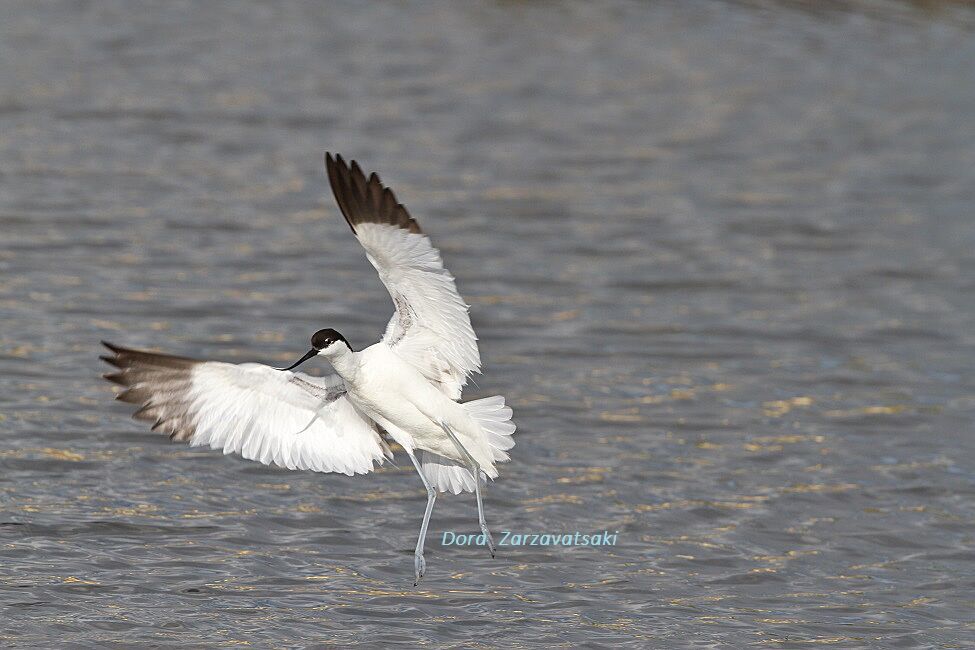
(476, 471)
(420, 564)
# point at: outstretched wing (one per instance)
(275, 417)
(431, 328)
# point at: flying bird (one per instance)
(407, 387)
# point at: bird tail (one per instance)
(494, 418)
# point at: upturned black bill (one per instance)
(308, 355)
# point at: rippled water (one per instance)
(720, 257)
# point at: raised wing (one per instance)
(275, 417)
(431, 328)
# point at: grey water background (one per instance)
(719, 256)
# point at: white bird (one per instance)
(407, 386)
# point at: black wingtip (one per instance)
(333, 169)
(115, 378)
(363, 199)
(354, 166)
(112, 361)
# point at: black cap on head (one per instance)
(324, 338)
(319, 341)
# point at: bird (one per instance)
(405, 388)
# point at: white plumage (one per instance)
(431, 327)
(407, 386)
(263, 415)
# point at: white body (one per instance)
(407, 405)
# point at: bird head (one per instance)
(326, 342)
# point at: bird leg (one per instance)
(420, 564)
(476, 471)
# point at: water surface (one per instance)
(719, 255)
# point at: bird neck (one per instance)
(344, 360)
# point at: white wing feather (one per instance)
(286, 419)
(257, 412)
(431, 328)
